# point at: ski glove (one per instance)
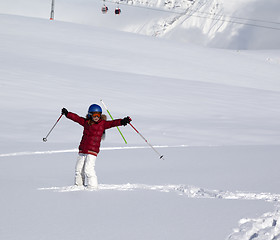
(125, 121)
(64, 111)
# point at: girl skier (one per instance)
(94, 127)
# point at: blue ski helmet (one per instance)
(94, 108)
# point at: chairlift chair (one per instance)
(104, 9)
(117, 11)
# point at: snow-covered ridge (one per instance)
(218, 23)
(247, 24)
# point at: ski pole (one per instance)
(160, 156)
(113, 119)
(45, 138)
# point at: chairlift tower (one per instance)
(52, 11)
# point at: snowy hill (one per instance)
(246, 24)
(212, 113)
(223, 24)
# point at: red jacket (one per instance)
(92, 134)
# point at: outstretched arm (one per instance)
(74, 117)
(117, 122)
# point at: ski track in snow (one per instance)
(248, 228)
(76, 150)
(189, 191)
(265, 227)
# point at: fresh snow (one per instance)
(213, 114)
(190, 191)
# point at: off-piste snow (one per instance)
(200, 80)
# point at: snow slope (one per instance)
(215, 23)
(224, 24)
(213, 114)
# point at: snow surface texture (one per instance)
(190, 191)
(265, 227)
(215, 23)
(212, 113)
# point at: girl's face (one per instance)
(95, 116)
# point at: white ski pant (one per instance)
(85, 171)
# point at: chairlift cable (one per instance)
(193, 14)
(231, 21)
